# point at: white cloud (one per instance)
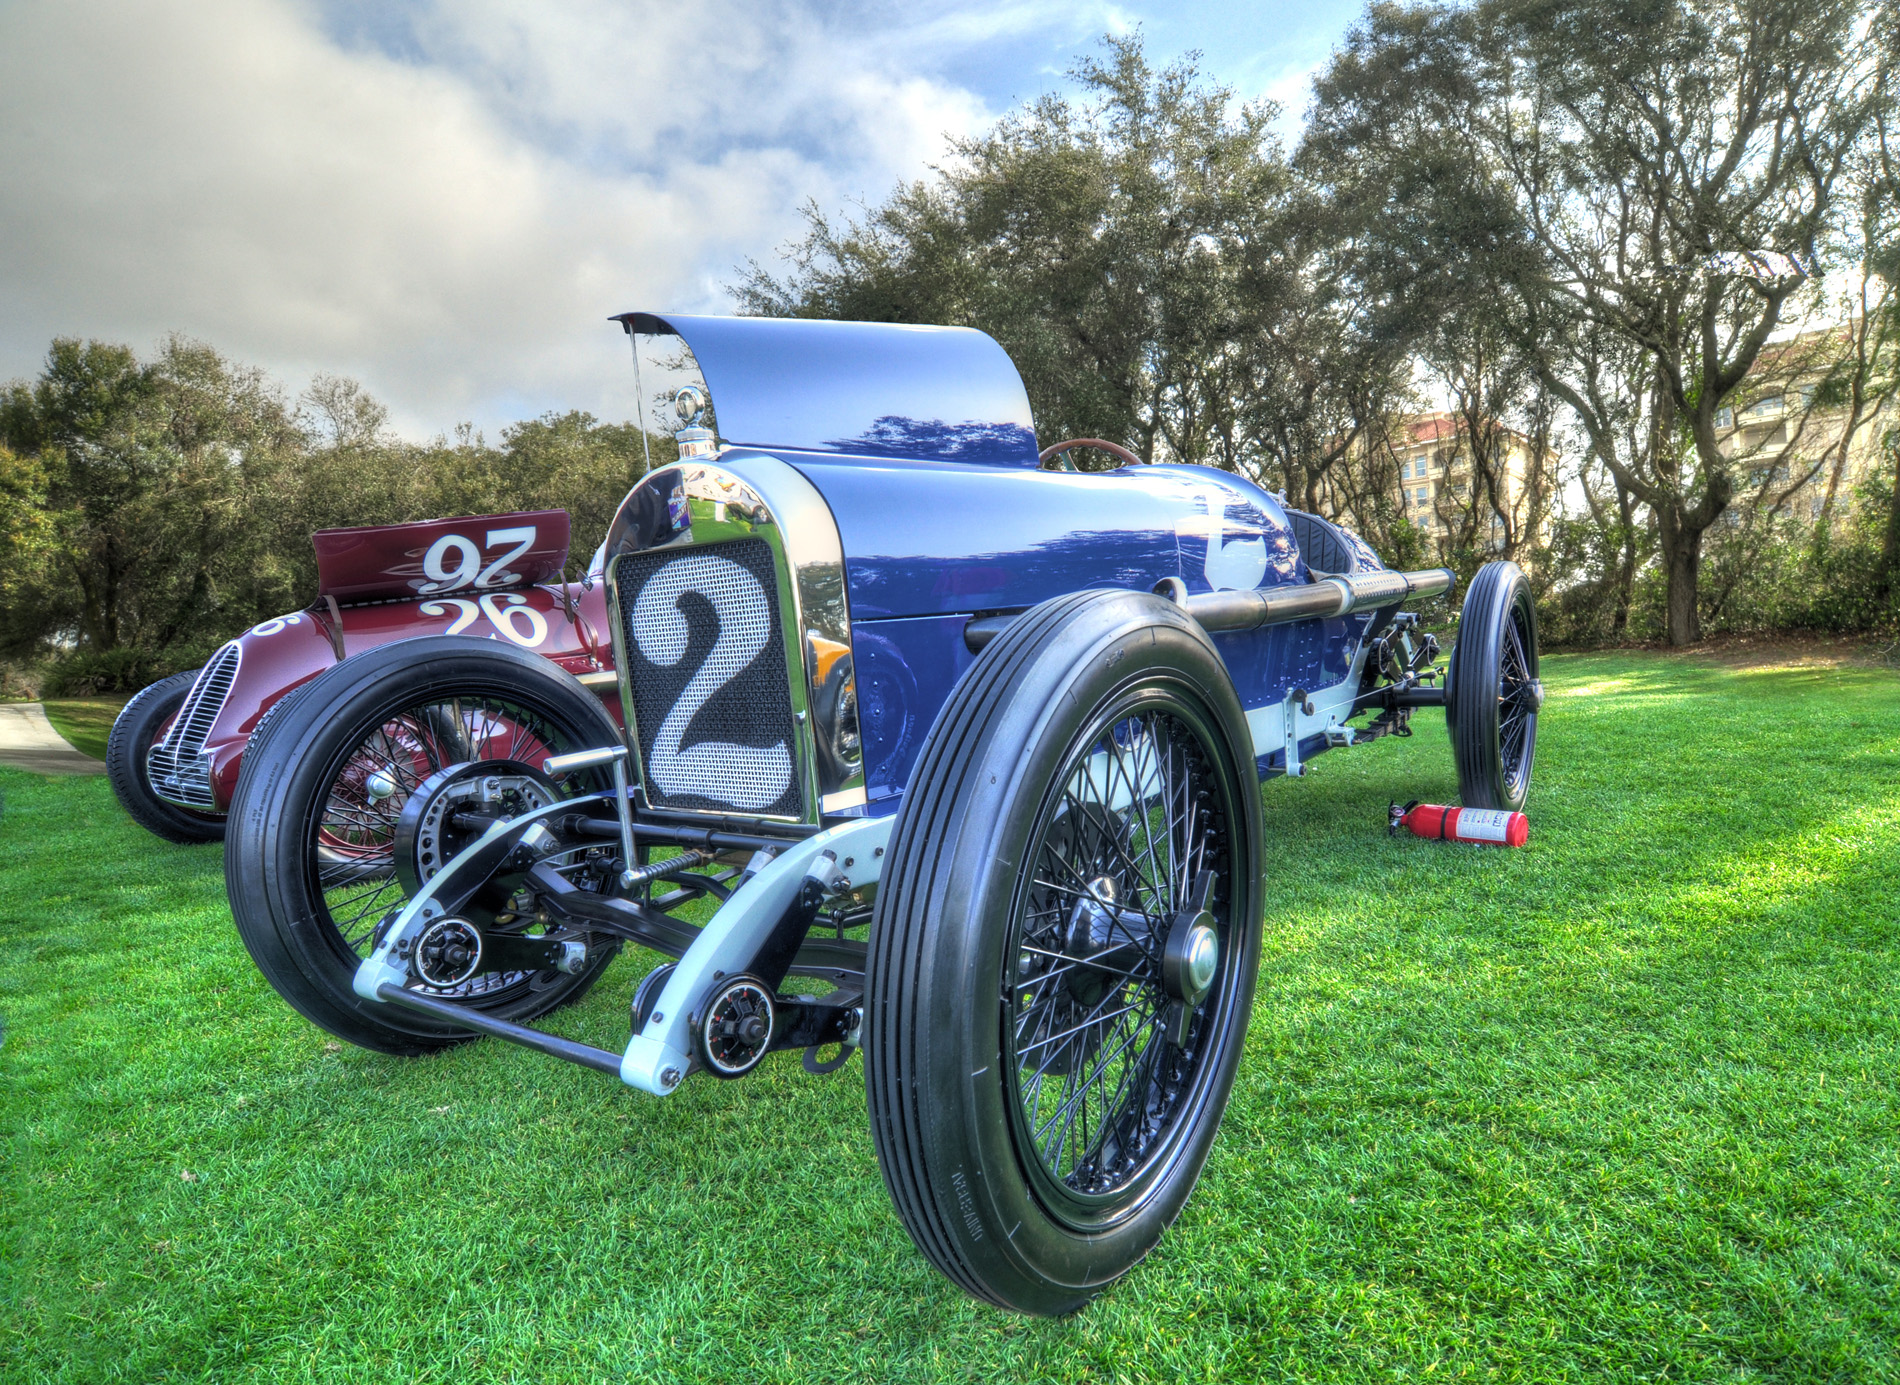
(446, 198)
(453, 224)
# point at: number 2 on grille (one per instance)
(742, 775)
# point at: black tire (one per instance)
(952, 1024)
(310, 869)
(1492, 690)
(134, 731)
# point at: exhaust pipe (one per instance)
(1224, 612)
(1325, 599)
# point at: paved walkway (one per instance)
(28, 741)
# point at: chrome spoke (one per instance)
(1098, 1081)
(354, 834)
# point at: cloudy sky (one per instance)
(446, 200)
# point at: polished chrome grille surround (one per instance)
(179, 771)
(716, 508)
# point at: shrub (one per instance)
(90, 674)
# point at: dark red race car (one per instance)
(175, 749)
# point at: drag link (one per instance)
(554, 1046)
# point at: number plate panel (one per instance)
(705, 665)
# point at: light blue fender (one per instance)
(665, 1046)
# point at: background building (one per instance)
(1492, 493)
(1802, 435)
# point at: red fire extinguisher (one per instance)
(1486, 826)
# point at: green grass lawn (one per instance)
(85, 722)
(1621, 1105)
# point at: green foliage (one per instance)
(1785, 573)
(1576, 189)
(1591, 577)
(138, 468)
(1146, 256)
(1762, 574)
(1618, 1106)
(126, 669)
(28, 541)
(150, 510)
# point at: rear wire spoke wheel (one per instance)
(1043, 1089)
(311, 860)
(1493, 693)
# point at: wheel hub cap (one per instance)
(1192, 958)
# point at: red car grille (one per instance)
(174, 766)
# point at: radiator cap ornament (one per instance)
(689, 402)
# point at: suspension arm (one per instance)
(465, 1018)
(578, 908)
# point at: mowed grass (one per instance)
(85, 722)
(1620, 1105)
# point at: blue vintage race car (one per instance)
(964, 739)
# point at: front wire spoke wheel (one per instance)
(318, 858)
(1097, 1077)
(1063, 948)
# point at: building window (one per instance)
(1724, 417)
(1761, 408)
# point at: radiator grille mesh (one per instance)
(706, 665)
(176, 773)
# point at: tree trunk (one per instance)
(1890, 545)
(1626, 570)
(1682, 566)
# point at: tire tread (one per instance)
(1474, 684)
(951, 755)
